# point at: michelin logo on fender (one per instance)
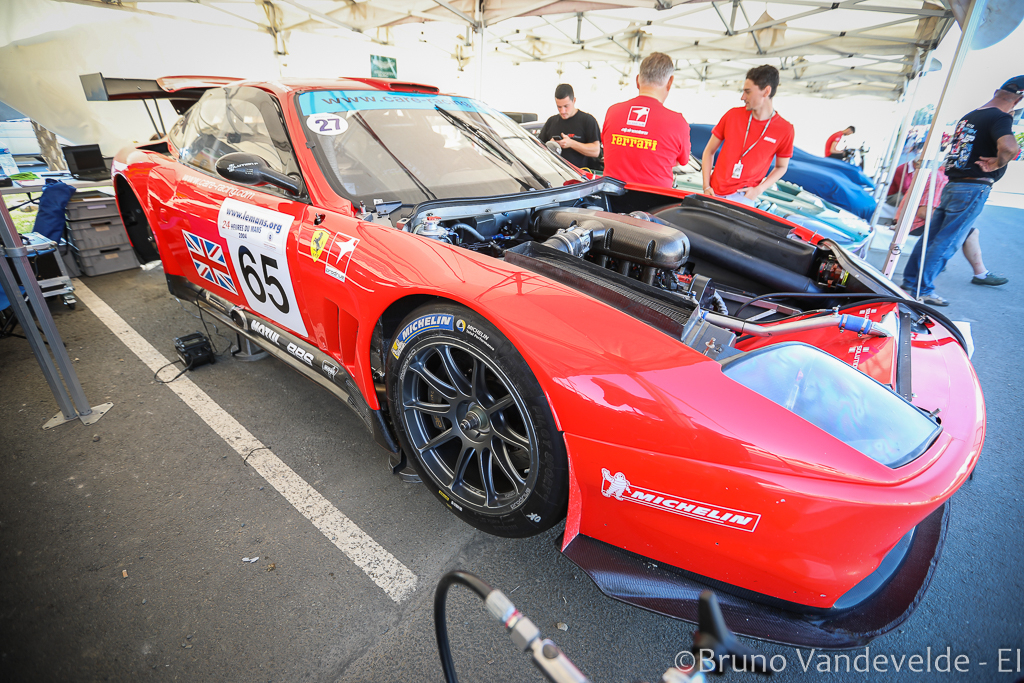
(424, 323)
(619, 488)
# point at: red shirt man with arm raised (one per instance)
(643, 140)
(751, 137)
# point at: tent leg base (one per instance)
(92, 418)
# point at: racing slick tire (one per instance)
(138, 229)
(475, 423)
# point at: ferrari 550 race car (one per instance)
(704, 397)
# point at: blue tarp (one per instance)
(818, 177)
(849, 170)
(50, 221)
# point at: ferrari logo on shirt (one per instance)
(318, 243)
(638, 116)
(630, 141)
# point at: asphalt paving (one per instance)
(122, 543)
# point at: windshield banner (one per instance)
(325, 101)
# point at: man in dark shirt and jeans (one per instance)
(575, 131)
(982, 145)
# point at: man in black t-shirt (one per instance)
(982, 145)
(575, 131)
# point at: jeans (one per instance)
(951, 223)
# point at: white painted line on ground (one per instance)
(381, 566)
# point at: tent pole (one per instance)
(891, 161)
(932, 179)
(480, 49)
(932, 142)
(57, 369)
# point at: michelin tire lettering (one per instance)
(424, 323)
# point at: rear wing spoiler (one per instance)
(181, 91)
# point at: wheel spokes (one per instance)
(510, 436)
(447, 385)
(487, 478)
(442, 438)
(440, 409)
(459, 381)
(501, 457)
(459, 473)
(500, 405)
(435, 382)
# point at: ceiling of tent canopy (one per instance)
(829, 49)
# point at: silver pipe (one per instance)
(840, 320)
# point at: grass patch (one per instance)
(23, 220)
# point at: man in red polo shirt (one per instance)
(643, 140)
(832, 144)
(751, 137)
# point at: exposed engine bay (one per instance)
(700, 269)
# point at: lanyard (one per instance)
(765, 130)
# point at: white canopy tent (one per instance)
(511, 52)
(831, 49)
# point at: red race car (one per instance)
(707, 394)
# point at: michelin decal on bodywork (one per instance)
(424, 323)
(619, 488)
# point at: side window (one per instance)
(237, 119)
(176, 134)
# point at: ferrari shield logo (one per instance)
(318, 243)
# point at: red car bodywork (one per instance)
(628, 400)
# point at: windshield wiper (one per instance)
(493, 143)
(412, 176)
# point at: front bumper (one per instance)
(674, 592)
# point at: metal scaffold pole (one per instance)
(932, 142)
(57, 368)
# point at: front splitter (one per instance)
(674, 592)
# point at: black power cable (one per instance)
(160, 381)
(475, 584)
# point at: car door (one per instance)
(238, 241)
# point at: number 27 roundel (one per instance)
(257, 238)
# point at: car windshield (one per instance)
(413, 147)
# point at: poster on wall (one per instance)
(383, 67)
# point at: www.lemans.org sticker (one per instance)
(422, 324)
(619, 488)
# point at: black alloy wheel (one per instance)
(475, 422)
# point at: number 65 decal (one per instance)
(255, 285)
(257, 239)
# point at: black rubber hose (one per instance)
(871, 299)
(444, 650)
(802, 295)
(752, 267)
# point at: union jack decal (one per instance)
(208, 258)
